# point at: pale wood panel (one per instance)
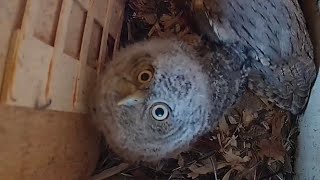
(81, 72)
(75, 30)
(84, 3)
(62, 87)
(39, 145)
(117, 14)
(47, 20)
(28, 83)
(66, 40)
(112, 24)
(86, 85)
(100, 10)
(94, 45)
(11, 14)
(63, 67)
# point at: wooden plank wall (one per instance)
(46, 145)
(57, 51)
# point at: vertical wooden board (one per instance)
(112, 28)
(75, 30)
(86, 87)
(11, 14)
(62, 84)
(115, 22)
(31, 73)
(46, 20)
(100, 10)
(83, 3)
(94, 45)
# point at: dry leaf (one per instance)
(193, 175)
(234, 159)
(227, 175)
(247, 117)
(223, 125)
(277, 123)
(150, 18)
(232, 120)
(180, 160)
(273, 149)
(233, 141)
(222, 165)
(205, 169)
(165, 18)
(269, 105)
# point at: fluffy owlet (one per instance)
(157, 96)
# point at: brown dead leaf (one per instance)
(269, 106)
(231, 141)
(221, 165)
(277, 123)
(223, 126)
(206, 168)
(227, 175)
(180, 160)
(150, 18)
(232, 120)
(234, 159)
(172, 22)
(193, 175)
(165, 18)
(247, 117)
(272, 149)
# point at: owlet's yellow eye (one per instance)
(145, 76)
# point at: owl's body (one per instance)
(273, 34)
(195, 89)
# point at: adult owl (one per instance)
(158, 96)
(274, 36)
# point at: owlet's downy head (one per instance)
(157, 96)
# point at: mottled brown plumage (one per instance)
(273, 34)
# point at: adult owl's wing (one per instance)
(275, 38)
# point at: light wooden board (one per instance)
(43, 145)
(61, 47)
(11, 13)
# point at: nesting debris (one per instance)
(255, 140)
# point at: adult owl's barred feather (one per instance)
(277, 43)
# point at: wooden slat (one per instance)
(60, 88)
(103, 49)
(30, 73)
(11, 15)
(113, 23)
(78, 100)
(60, 66)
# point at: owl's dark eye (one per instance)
(145, 76)
(160, 112)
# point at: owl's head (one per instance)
(152, 100)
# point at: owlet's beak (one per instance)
(136, 98)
